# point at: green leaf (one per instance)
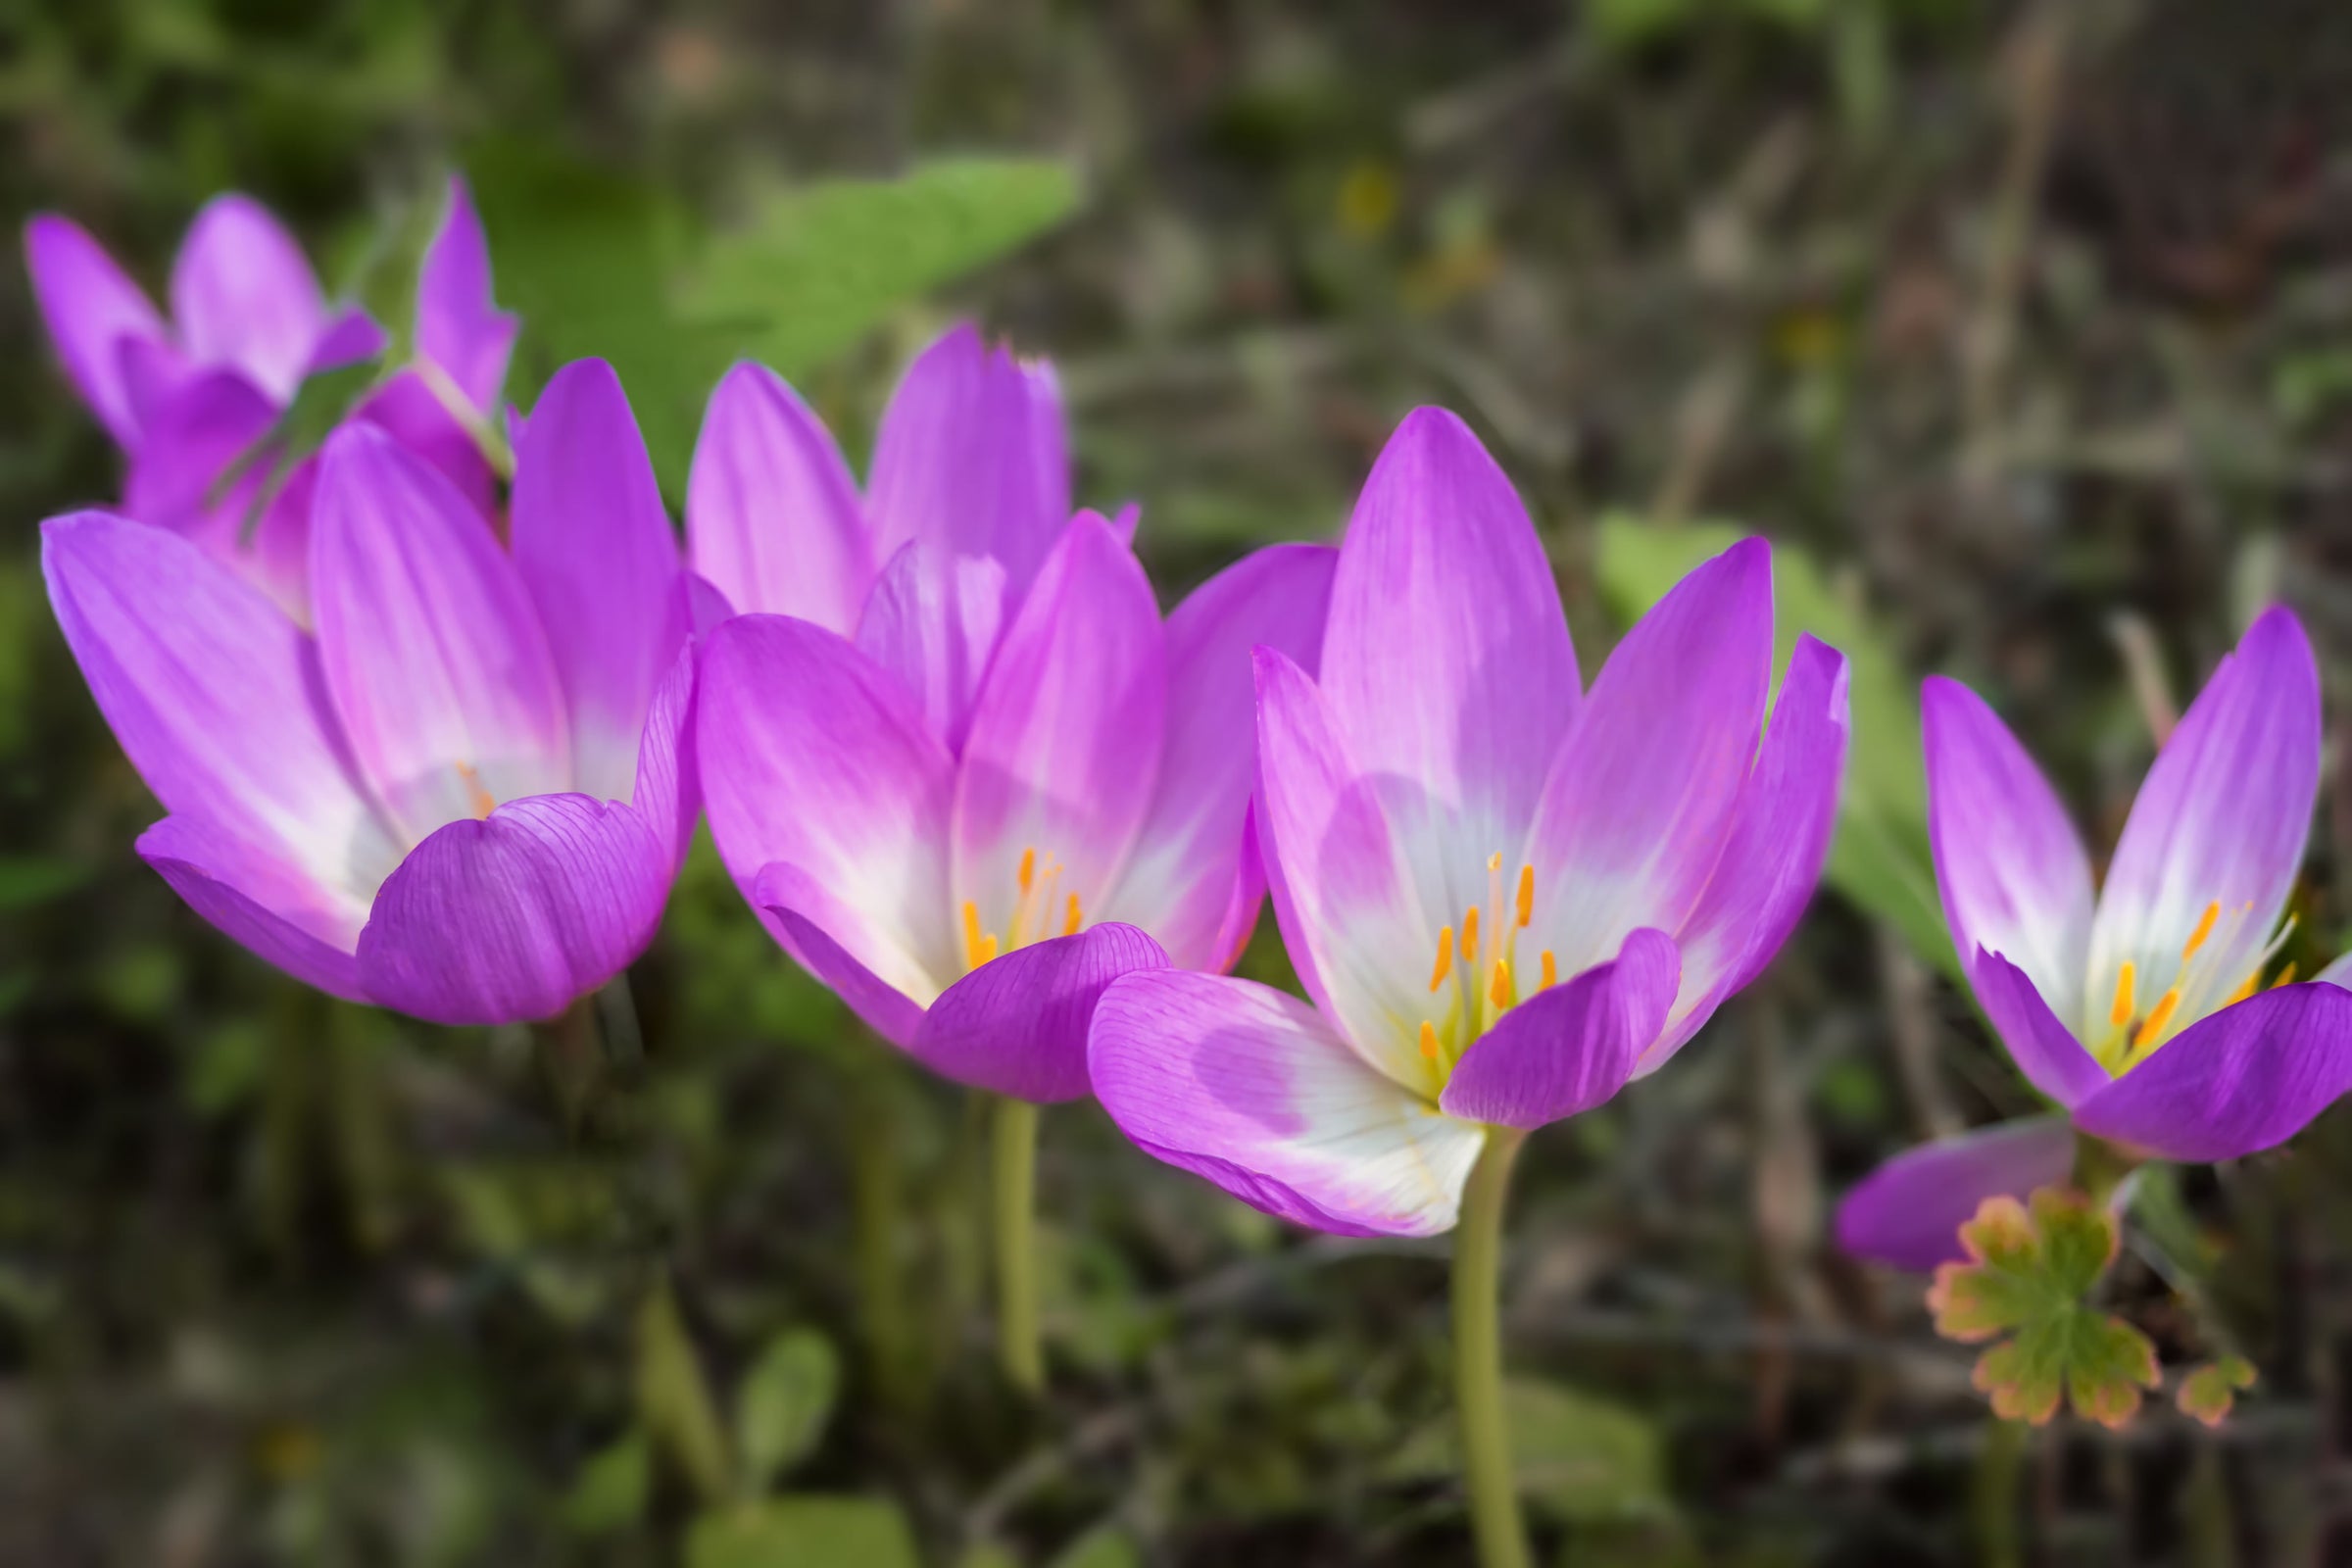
(1880, 858)
(1102, 1547)
(804, 1531)
(1579, 1459)
(613, 1487)
(781, 1406)
(818, 266)
(673, 1398)
(2208, 1390)
(2026, 1273)
(28, 880)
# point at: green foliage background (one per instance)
(2002, 321)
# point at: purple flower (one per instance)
(187, 398)
(1506, 896)
(968, 768)
(461, 795)
(2139, 1009)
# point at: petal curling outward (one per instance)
(513, 916)
(1908, 1212)
(1252, 1090)
(2246, 1079)
(1568, 1049)
(1017, 1025)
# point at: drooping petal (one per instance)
(810, 756)
(1065, 740)
(807, 919)
(2220, 820)
(459, 324)
(2011, 867)
(1908, 1212)
(772, 516)
(260, 900)
(2236, 1082)
(1252, 1090)
(217, 697)
(959, 460)
(192, 438)
(430, 645)
(1018, 1024)
(90, 307)
(421, 421)
(598, 553)
(1569, 1048)
(1644, 793)
(932, 621)
(1188, 860)
(2043, 1047)
(1779, 837)
(1342, 888)
(1447, 663)
(513, 916)
(242, 295)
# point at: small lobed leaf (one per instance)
(2210, 1391)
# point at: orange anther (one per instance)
(1028, 872)
(1428, 1040)
(1527, 894)
(1470, 935)
(1552, 971)
(1445, 963)
(480, 799)
(1499, 989)
(2121, 1013)
(2157, 1019)
(1072, 922)
(2196, 938)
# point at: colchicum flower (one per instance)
(967, 775)
(2148, 1011)
(188, 398)
(1505, 896)
(462, 795)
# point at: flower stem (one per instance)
(1015, 1197)
(1478, 1357)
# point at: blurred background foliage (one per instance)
(2025, 331)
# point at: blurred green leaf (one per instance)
(1880, 858)
(782, 1404)
(1102, 1547)
(804, 1531)
(1578, 1457)
(613, 1487)
(673, 1399)
(27, 880)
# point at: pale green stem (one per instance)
(1016, 1200)
(1478, 1357)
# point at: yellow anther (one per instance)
(1428, 1040)
(2196, 938)
(1445, 963)
(1527, 894)
(2246, 990)
(978, 946)
(1499, 989)
(2162, 1015)
(1028, 871)
(2286, 976)
(1075, 918)
(2121, 1013)
(1552, 971)
(480, 799)
(1470, 935)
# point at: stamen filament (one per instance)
(480, 799)
(1445, 963)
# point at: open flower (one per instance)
(963, 786)
(188, 398)
(461, 795)
(1506, 896)
(2149, 1011)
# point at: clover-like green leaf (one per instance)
(2208, 1390)
(2029, 1270)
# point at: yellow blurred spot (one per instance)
(1368, 200)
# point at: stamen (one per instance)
(480, 799)
(1527, 894)
(2286, 976)
(1444, 964)
(1428, 1040)
(2157, 1019)
(2196, 938)
(978, 946)
(1495, 861)
(1552, 971)
(2245, 989)
(2121, 1013)
(1028, 871)
(1072, 922)
(1470, 935)
(1499, 989)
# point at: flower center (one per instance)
(1033, 908)
(1475, 980)
(2205, 967)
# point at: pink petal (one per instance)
(261, 900)
(2243, 1080)
(459, 324)
(932, 621)
(90, 307)
(430, 645)
(1908, 1212)
(1018, 1024)
(1252, 1090)
(806, 918)
(772, 516)
(1572, 1046)
(192, 438)
(2044, 1049)
(242, 295)
(421, 421)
